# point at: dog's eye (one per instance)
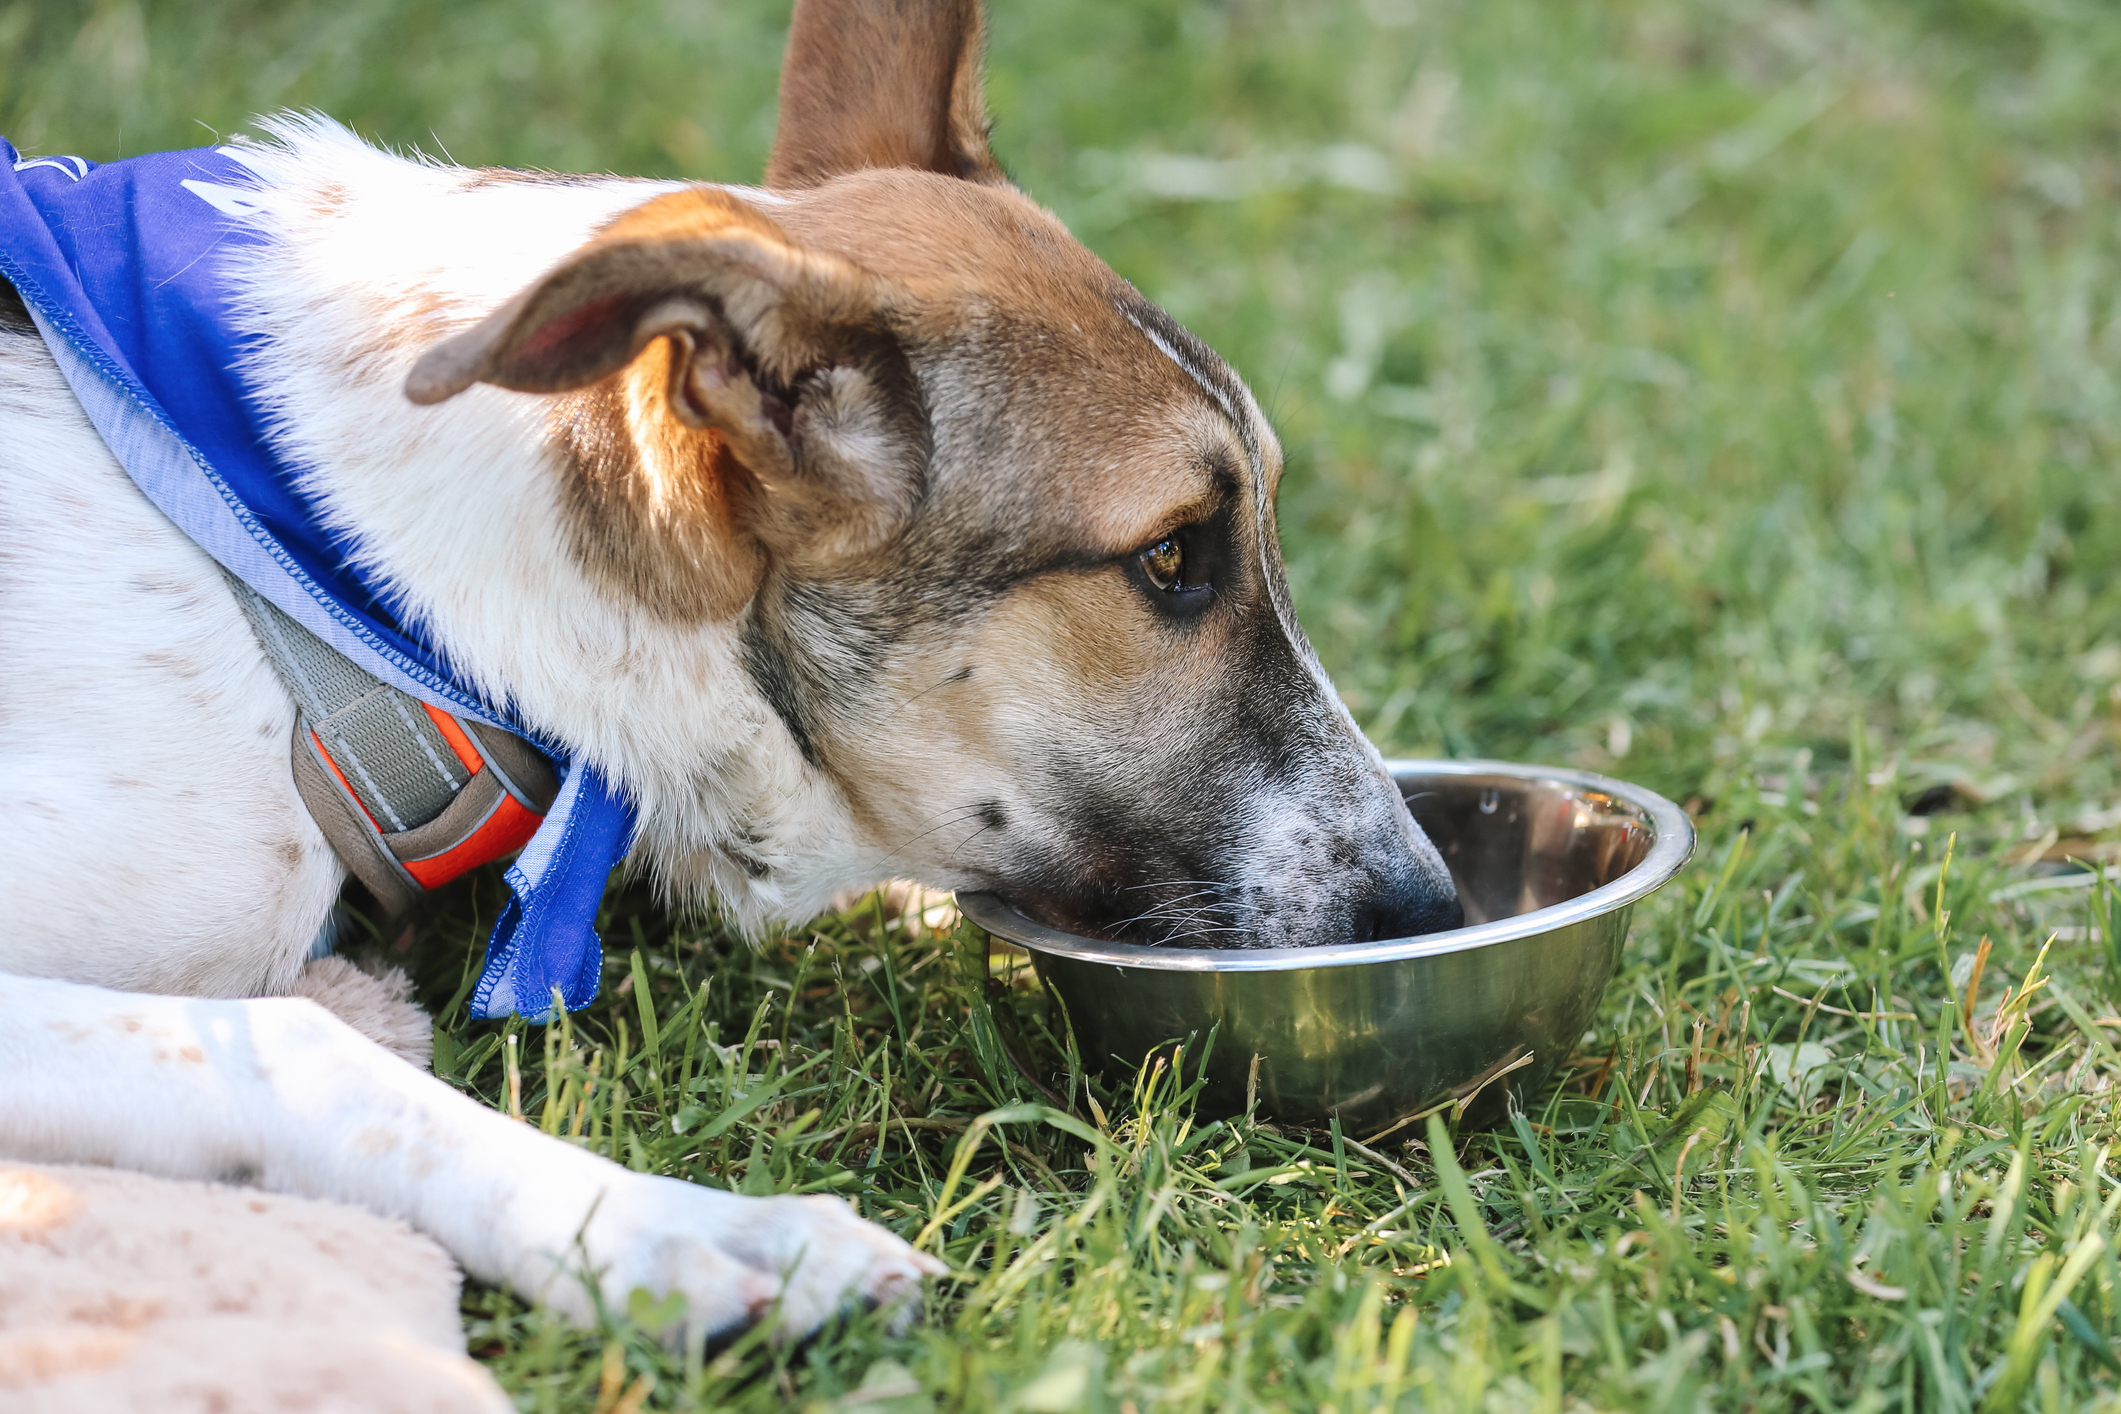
(1177, 571)
(1165, 564)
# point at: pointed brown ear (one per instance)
(783, 355)
(882, 83)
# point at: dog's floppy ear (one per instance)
(882, 83)
(784, 354)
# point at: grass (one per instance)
(1719, 394)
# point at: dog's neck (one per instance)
(461, 508)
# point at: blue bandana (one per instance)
(122, 266)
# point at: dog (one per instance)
(859, 525)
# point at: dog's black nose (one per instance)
(1408, 909)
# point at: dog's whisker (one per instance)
(1173, 909)
(1192, 933)
(942, 682)
(956, 849)
(1179, 905)
(1186, 905)
(939, 824)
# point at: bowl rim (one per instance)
(1670, 850)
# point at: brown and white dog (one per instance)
(860, 525)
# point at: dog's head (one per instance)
(997, 534)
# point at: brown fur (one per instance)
(1086, 395)
(893, 84)
(909, 436)
(653, 504)
(662, 508)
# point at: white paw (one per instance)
(732, 1258)
(827, 1258)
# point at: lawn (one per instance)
(1723, 395)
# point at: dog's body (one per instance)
(868, 526)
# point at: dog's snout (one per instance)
(1408, 908)
(1411, 890)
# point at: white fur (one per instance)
(282, 1094)
(144, 780)
(457, 507)
(155, 840)
(379, 1005)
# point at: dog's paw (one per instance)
(738, 1260)
(830, 1258)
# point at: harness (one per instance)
(126, 269)
(409, 796)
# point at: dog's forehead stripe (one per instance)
(1228, 397)
(1215, 387)
(1192, 370)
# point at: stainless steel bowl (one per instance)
(1549, 865)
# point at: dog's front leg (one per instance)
(282, 1094)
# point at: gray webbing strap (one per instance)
(383, 783)
(390, 752)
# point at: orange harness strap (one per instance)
(409, 796)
